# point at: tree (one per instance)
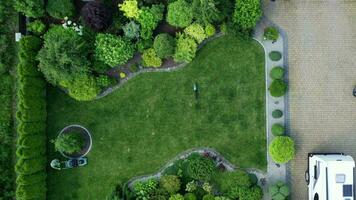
(247, 13)
(205, 11)
(113, 50)
(185, 49)
(63, 56)
(150, 58)
(96, 15)
(130, 8)
(180, 14)
(60, 9)
(164, 45)
(281, 149)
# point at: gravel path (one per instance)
(322, 74)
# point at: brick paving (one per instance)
(322, 74)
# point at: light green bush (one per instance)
(180, 14)
(150, 58)
(281, 149)
(196, 31)
(185, 49)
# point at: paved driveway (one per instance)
(322, 74)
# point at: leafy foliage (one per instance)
(226, 180)
(96, 15)
(69, 143)
(279, 191)
(37, 27)
(130, 8)
(278, 88)
(277, 73)
(210, 30)
(176, 197)
(185, 49)
(180, 14)
(144, 190)
(275, 55)
(277, 114)
(247, 13)
(113, 50)
(196, 31)
(60, 9)
(271, 33)
(5, 59)
(277, 129)
(149, 19)
(281, 149)
(131, 30)
(83, 88)
(200, 168)
(205, 11)
(164, 45)
(30, 8)
(150, 58)
(170, 183)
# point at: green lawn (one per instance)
(155, 116)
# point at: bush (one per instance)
(180, 14)
(71, 142)
(205, 11)
(130, 8)
(210, 30)
(275, 55)
(271, 33)
(144, 190)
(176, 197)
(164, 45)
(279, 191)
(96, 15)
(83, 88)
(277, 73)
(5, 58)
(253, 178)
(196, 31)
(277, 129)
(100, 67)
(150, 58)
(30, 166)
(144, 44)
(247, 13)
(131, 30)
(185, 49)
(170, 183)
(104, 81)
(60, 8)
(64, 55)
(31, 179)
(226, 180)
(113, 50)
(190, 196)
(34, 191)
(37, 27)
(30, 8)
(200, 168)
(208, 197)
(281, 149)
(149, 19)
(278, 88)
(277, 114)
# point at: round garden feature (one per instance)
(78, 138)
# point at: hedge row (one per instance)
(31, 116)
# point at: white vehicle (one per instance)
(330, 176)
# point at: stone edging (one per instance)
(144, 70)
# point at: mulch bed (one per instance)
(86, 137)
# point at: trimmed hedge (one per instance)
(277, 73)
(31, 116)
(275, 55)
(281, 149)
(277, 129)
(278, 88)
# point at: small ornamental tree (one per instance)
(96, 15)
(131, 30)
(164, 45)
(60, 9)
(279, 191)
(130, 8)
(180, 14)
(278, 88)
(150, 58)
(69, 143)
(113, 50)
(185, 49)
(247, 13)
(196, 31)
(170, 183)
(281, 149)
(271, 33)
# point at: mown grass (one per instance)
(155, 116)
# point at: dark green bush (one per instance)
(5, 58)
(30, 8)
(34, 191)
(200, 168)
(277, 114)
(28, 153)
(190, 196)
(69, 143)
(6, 84)
(100, 67)
(205, 11)
(31, 128)
(30, 166)
(247, 13)
(275, 55)
(170, 183)
(253, 178)
(164, 45)
(271, 33)
(180, 14)
(31, 141)
(60, 8)
(277, 73)
(281, 149)
(278, 88)
(144, 44)
(31, 179)
(277, 129)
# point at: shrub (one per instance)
(164, 45)
(131, 30)
(185, 49)
(144, 44)
(279, 191)
(149, 19)
(271, 33)
(144, 190)
(150, 58)
(71, 142)
(96, 15)
(83, 88)
(100, 67)
(247, 13)
(31, 178)
(281, 149)
(5, 58)
(275, 55)
(196, 31)
(170, 183)
(130, 8)
(104, 81)
(210, 30)
(64, 55)
(200, 168)
(277, 73)
(253, 178)
(277, 114)
(190, 196)
(191, 186)
(226, 180)
(205, 11)
(34, 191)
(37, 27)
(176, 197)
(60, 8)
(278, 88)
(30, 166)
(277, 129)
(30, 8)
(208, 197)
(180, 14)
(113, 50)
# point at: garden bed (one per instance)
(84, 133)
